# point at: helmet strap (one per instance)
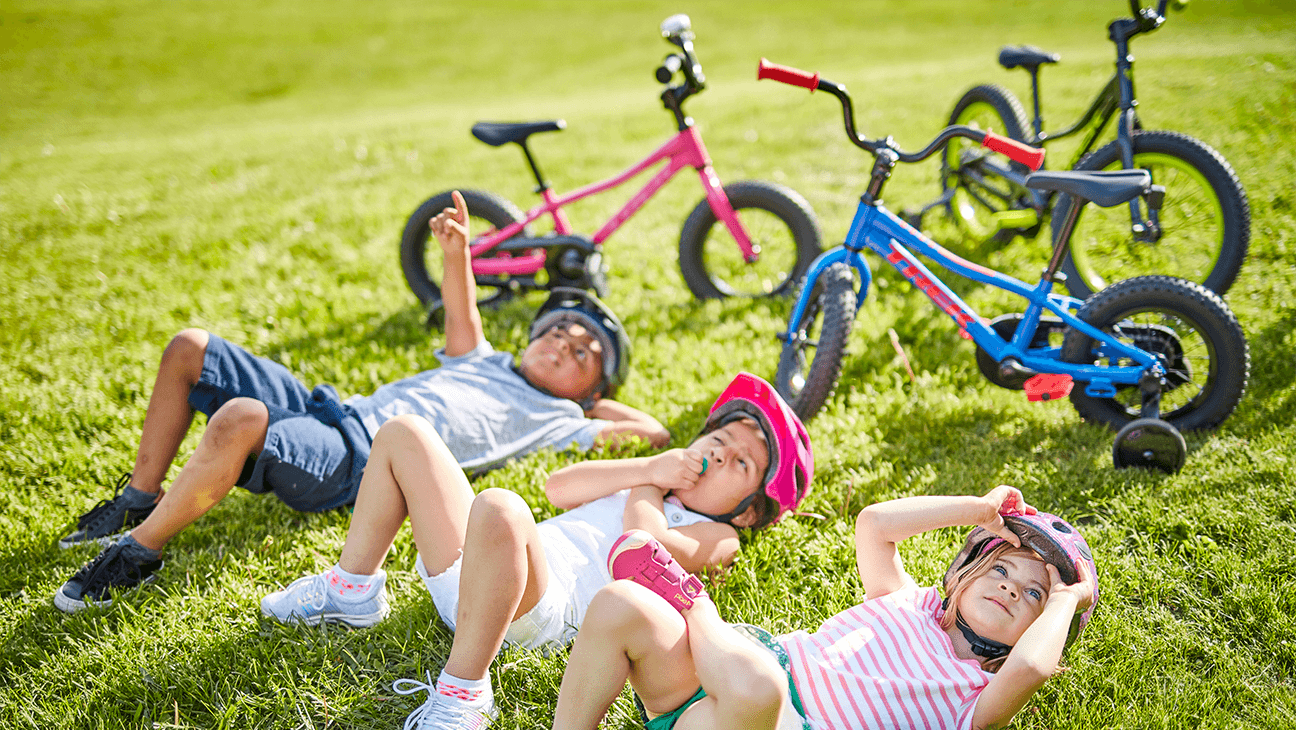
(982, 647)
(741, 508)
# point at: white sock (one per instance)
(349, 585)
(472, 692)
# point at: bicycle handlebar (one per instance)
(1032, 157)
(1136, 6)
(786, 75)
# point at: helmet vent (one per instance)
(1062, 527)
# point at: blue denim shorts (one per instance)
(315, 447)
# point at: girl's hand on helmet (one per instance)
(1000, 501)
(1082, 589)
(676, 469)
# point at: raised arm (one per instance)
(572, 486)
(463, 327)
(626, 422)
(880, 526)
(697, 547)
(1036, 654)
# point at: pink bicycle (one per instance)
(766, 238)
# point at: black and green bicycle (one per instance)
(1201, 232)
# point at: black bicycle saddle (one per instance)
(498, 133)
(1105, 188)
(1028, 57)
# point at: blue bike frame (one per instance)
(885, 234)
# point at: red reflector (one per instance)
(1048, 386)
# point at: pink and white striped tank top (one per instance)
(885, 663)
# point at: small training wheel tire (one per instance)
(1150, 443)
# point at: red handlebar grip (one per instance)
(787, 75)
(1031, 157)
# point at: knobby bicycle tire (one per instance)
(806, 383)
(787, 233)
(988, 107)
(495, 211)
(1190, 327)
(1205, 219)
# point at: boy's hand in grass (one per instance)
(450, 227)
(676, 469)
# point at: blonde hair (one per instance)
(963, 577)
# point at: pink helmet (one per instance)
(791, 460)
(1052, 538)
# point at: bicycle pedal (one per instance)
(1014, 219)
(1048, 386)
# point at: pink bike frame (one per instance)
(684, 150)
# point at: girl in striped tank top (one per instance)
(1016, 595)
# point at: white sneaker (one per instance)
(442, 712)
(310, 600)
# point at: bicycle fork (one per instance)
(850, 253)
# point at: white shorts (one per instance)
(550, 623)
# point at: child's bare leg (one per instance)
(630, 632)
(745, 686)
(627, 629)
(235, 432)
(410, 472)
(169, 416)
(504, 575)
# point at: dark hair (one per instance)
(764, 509)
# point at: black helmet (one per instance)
(567, 304)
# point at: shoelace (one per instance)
(104, 505)
(313, 593)
(108, 569)
(432, 710)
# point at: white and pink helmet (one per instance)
(1050, 537)
(791, 459)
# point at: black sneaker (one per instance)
(106, 520)
(110, 570)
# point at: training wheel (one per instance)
(1150, 443)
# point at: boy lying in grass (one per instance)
(267, 433)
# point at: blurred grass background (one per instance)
(247, 167)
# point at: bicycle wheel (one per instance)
(1205, 221)
(422, 262)
(1189, 327)
(809, 367)
(782, 227)
(983, 203)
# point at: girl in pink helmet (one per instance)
(1018, 593)
(496, 576)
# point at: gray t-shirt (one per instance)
(484, 411)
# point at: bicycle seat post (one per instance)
(541, 185)
(1060, 242)
(1038, 121)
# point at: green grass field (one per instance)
(247, 167)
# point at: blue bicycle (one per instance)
(1152, 356)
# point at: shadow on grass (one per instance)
(1270, 400)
